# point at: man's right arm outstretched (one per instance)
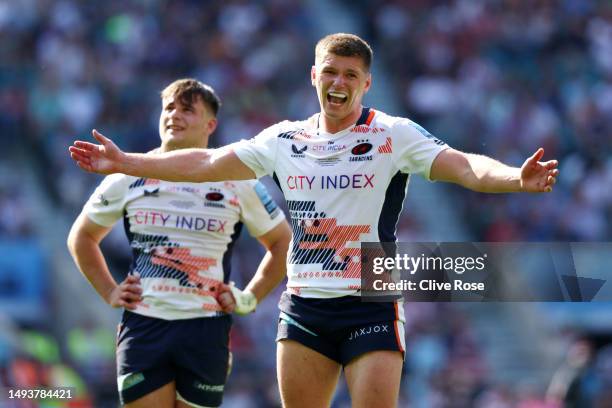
(193, 165)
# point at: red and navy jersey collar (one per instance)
(366, 117)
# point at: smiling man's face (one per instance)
(183, 124)
(341, 83)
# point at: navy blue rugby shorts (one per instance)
(194, 353)
(341, 328)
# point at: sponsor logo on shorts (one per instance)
(374, 329)
(208, 387)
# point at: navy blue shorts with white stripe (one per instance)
(194, 353)
(341, 328)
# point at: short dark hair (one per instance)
(188, 90)
(345, 45)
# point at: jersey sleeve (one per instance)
(107, 203)
(259, 153)
(414, 148)
(259, 211)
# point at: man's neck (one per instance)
(331, 125)
(164, 148)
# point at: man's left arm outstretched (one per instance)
(484, 174)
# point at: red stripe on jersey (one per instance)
(182, 260)
(337, 237)
(370, 117)
(386, 148)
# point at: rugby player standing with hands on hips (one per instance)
(172, 345)
(344, 173)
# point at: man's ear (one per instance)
(368, 83)
(212, 125)
(313, 75)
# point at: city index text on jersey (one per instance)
(183, 222)
(330, 182)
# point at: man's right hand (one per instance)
(104, 158)
(127, 294)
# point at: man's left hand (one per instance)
(537, 176)
(233, 300)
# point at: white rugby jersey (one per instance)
(182, 235)
(341, 189)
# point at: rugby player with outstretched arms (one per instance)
(172, 345)
(344, 173)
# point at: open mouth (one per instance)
(336, 98)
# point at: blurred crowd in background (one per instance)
(503, 78)
(498, 77)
